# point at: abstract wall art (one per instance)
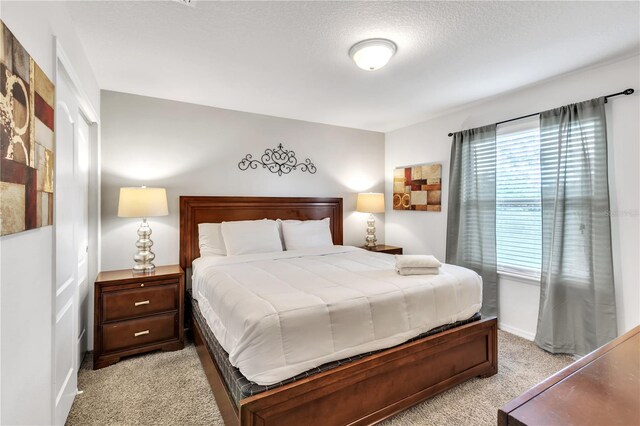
(26, 139)
(418, 187)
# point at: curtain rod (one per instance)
(624, 92)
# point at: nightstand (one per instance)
(381, 248)
(136, 313)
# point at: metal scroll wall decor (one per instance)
(277, 160)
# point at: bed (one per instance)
(358, 381)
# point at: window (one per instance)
(581, 197)
(518, 198)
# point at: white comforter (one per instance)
(280, 314)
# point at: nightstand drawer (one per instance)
(123, 304)
(133, 333)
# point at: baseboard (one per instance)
(517, 331)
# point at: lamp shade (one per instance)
(370, 202)
(142, 202)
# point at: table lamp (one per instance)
(143, 202)
(370, 202)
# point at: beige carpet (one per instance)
(171, 389)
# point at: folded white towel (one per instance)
(417, 261)
(418, 271)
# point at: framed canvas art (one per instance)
(26, 139)
(418, 187)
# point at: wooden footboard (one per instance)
(368, 390)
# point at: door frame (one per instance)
(64, 65)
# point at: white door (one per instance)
(71, 236)
(81, 232)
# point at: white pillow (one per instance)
(306, 234)
(210, 240)
(251, 236)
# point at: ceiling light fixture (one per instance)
(372, 54)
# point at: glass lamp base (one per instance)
(144, 256)
(371, 240)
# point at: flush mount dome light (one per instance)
(372, 54)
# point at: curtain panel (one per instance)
(471, 218)
(577, 302)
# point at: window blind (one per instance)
(572, 185)
(518, 197)
(478, 200)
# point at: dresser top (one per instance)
(128, 274)
(601, 388)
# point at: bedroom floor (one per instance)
(170, 388)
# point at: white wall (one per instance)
(26, 259)
(195, 150)
(425, 232)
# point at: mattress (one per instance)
(280, 314)
(240, 387)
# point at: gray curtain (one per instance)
(577, 303)
(471, 218)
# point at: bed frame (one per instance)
(362, 392)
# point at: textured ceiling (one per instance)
(289, 59)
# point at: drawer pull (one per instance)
(140, 333)
(144, 302)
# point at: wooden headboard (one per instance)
(195, 210)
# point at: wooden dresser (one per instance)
(602, 388)
(135, 313)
